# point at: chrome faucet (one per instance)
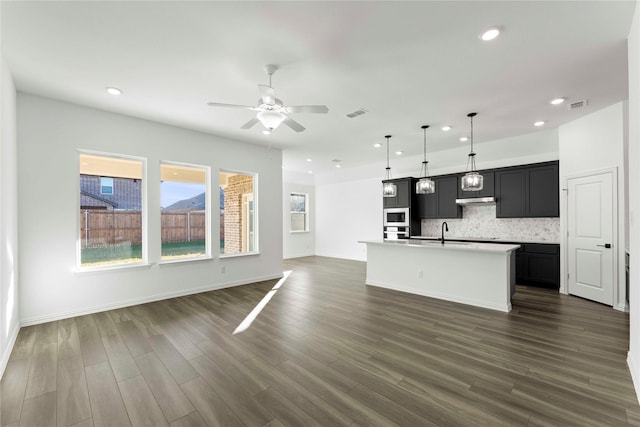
(445, 227)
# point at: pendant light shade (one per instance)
(425, 185)
(472, 180)
(388, 188)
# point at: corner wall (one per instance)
(591, 143)
(9, 325)
(50, 133)
(633, 44)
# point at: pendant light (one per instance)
(388, 188)
(425, 185)
(472, 180)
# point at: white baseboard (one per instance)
(7, 351)
(635, 375)
(127, 303)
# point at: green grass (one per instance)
(125, 254)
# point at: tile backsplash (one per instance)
(479, 221)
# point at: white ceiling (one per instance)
(407, 63)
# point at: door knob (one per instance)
(606, 245)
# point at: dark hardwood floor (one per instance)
(325, 350)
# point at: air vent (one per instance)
(356, 113)
(577, 104)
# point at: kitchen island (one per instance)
(478, 274)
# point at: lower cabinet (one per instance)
(538, 264)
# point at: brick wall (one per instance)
(127, 193)
(237, 186)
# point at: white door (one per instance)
(591, 251)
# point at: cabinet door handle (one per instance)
(606, 245)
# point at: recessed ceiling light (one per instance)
(539, 123)
(266, 132)
(114, 91)
(309, 160)
(464, 139)
(557, 101)
(398, 153)
(338, 165)
(377, 145)
(490, 34)
(310, 171)
(446, 128)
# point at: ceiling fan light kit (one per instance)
(425, 185)
(388, 188)
(271, 111)
(472, 180)
(270, 119)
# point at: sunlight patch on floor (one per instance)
(246, 323)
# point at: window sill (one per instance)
(113, 268)
(239, 255)
(300, 232)
(184, 260)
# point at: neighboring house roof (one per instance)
(195, 202)
(100, 199)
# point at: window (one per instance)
(238, 218)
(299, 212)
(106, 185)
(111, 220)
(184, 219)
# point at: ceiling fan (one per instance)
(271, 111)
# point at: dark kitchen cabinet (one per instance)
(510, 193)
(442, 203)
(487, 187)
(538, 264)
(447, 193)
(528, 191)
(543, 191)
(404, 190)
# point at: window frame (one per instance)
(103, 186)
(208, 228)
(306, 213)
(144, 232)
(256, 214)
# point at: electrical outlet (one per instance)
(420, 274)
(223, 269)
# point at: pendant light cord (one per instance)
(472, 155)
(388, 169)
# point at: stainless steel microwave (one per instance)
(397, 217)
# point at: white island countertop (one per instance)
(488, 239)
(448, 245)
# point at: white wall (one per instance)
(634, 197)
(591, 143)
(349, 201)
(9, 324)
(346, 213)
(298, 244)
(49, 134)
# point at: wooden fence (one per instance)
(102, 228)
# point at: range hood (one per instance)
(476, 201)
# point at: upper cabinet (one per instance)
(442, 203)
(487, 187)
(404, 191)
(528, 191)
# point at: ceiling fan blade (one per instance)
(308, 109)
(267, 94)
(293, 124)
(217, 104)
(250, 123)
